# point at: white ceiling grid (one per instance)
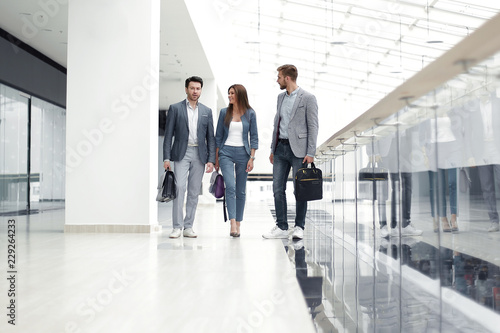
(356, 51)
(359, 49)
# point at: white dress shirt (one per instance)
(193, 124)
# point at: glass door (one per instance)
(14, 157)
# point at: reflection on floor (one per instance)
(399, 284)
(16, 209)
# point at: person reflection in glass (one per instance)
(399, 166)
(483, 146)
(442, 157)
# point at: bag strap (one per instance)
(224, 206)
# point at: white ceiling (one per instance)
(353, 51)
(179, 41)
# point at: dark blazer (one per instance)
(249, 121)
(177, 130)
(303, 126)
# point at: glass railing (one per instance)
(407, 236)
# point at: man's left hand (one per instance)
(210, 167)
(308, 159)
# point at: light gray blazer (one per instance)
(177, 130)
(303, 126)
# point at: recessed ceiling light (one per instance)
(396, 70)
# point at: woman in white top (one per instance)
(236, 140)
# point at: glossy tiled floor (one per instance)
(340, 278)
(150, 283)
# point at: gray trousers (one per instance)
(188, 174)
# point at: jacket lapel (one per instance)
(280, 101)
(201, 112)
(184, 112)
(296, 103)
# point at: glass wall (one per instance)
(414, 235)
(13, 150)
(48, 147)
(32, 153)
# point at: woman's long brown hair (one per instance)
(241, 99)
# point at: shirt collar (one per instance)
(189, 105)
(295, 92)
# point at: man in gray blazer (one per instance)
(293, 147)
(190, 126)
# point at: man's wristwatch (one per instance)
(252, 157)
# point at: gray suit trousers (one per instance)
(188, 174)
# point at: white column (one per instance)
(112, 115)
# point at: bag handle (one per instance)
(224, 207)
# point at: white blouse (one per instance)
(235, 134)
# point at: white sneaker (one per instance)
(176, 233)
(384, 243)
(410, 241)
(276, 232)
(298, 233)
(410, 230)
(189, 232)
(495, 226)
(298, 245)
(384, 232)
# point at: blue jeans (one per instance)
(233, 160)
(438, 181)
(284, 159)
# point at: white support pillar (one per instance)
(112, 115)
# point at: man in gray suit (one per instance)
(293, 147)
(190, 126)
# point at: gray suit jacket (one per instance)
(303, 126)
(177, 130)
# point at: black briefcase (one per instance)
(167, 187)
(373, 172)
(308, 184)
(373, 182)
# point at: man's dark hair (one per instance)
(194, 79)
(289, 70)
